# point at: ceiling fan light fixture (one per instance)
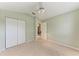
(41, 10)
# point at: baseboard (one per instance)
(63, 44)
(2, 50)
(27, 41)
(16, 45)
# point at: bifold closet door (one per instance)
(21, 31)
(11, 32)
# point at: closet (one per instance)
(15, 32)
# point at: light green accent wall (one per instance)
(64, 28)
(30, 25)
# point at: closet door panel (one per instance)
(11, 32)
(21, 32)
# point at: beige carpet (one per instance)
(39, 48)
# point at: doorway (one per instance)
(44, 31)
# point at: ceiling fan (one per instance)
(40, 10)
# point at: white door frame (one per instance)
(44, 30)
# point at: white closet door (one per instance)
(21, 31)
(11, 32)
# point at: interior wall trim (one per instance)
(63, 44)
(2, 50)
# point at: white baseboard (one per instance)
(16, 45)
(2, 50)
(63, 44)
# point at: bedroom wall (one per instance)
(30, 25)
(64, 28)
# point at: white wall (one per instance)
(44, 30)
(64, 28)
(30, 25)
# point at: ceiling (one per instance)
(51, 8)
